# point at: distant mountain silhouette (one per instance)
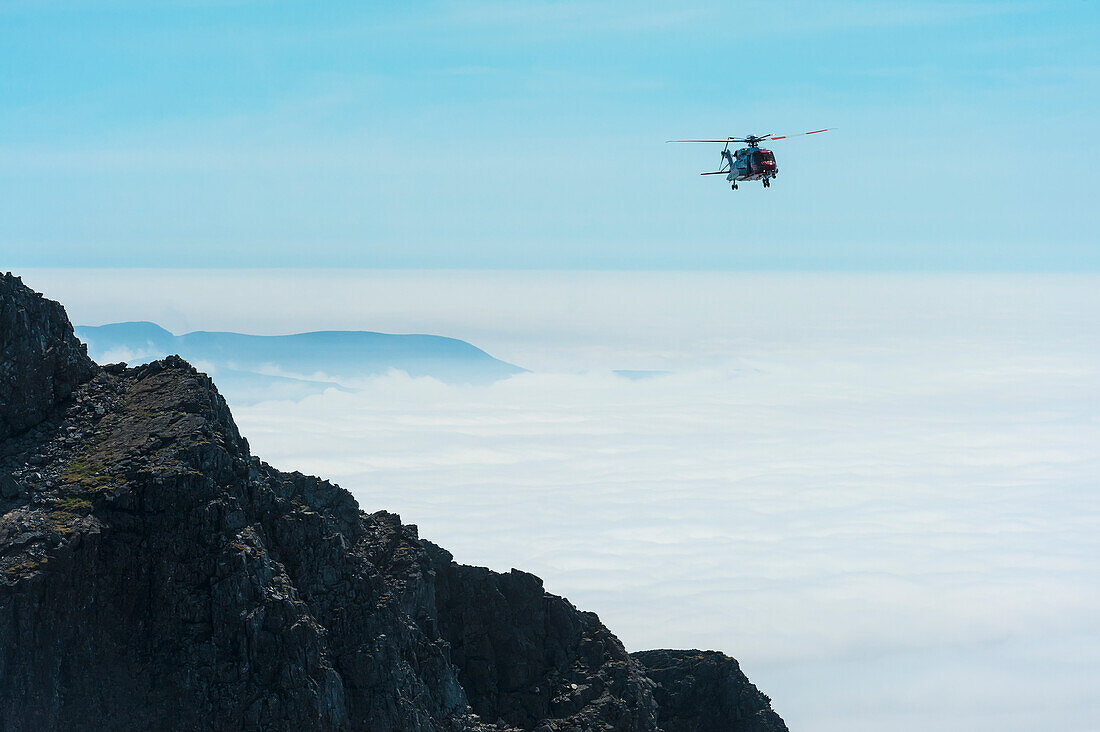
(253, 367)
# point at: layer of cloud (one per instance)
(933, 521)
(793, 513)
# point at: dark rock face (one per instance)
(155, 575)
(705, 691)
(41, 361)
(526, 656)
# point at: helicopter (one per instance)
(752, 162)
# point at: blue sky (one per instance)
(531, 135)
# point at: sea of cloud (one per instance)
(880, 492)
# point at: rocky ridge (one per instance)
(155, 574)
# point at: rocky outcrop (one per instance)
(525, 656)
(156, 575)
(41, 361)
(705, 691)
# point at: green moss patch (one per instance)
(87, 474)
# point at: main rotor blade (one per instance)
(799, 134)
(728, 139)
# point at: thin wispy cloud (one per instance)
(233, 134)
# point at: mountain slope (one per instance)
(156, 575)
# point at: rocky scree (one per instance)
(155, 574)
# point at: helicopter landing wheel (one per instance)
(733, 187)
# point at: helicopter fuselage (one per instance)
(750, 163)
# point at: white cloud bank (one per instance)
(881, 493)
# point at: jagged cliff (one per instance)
(156, 575)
